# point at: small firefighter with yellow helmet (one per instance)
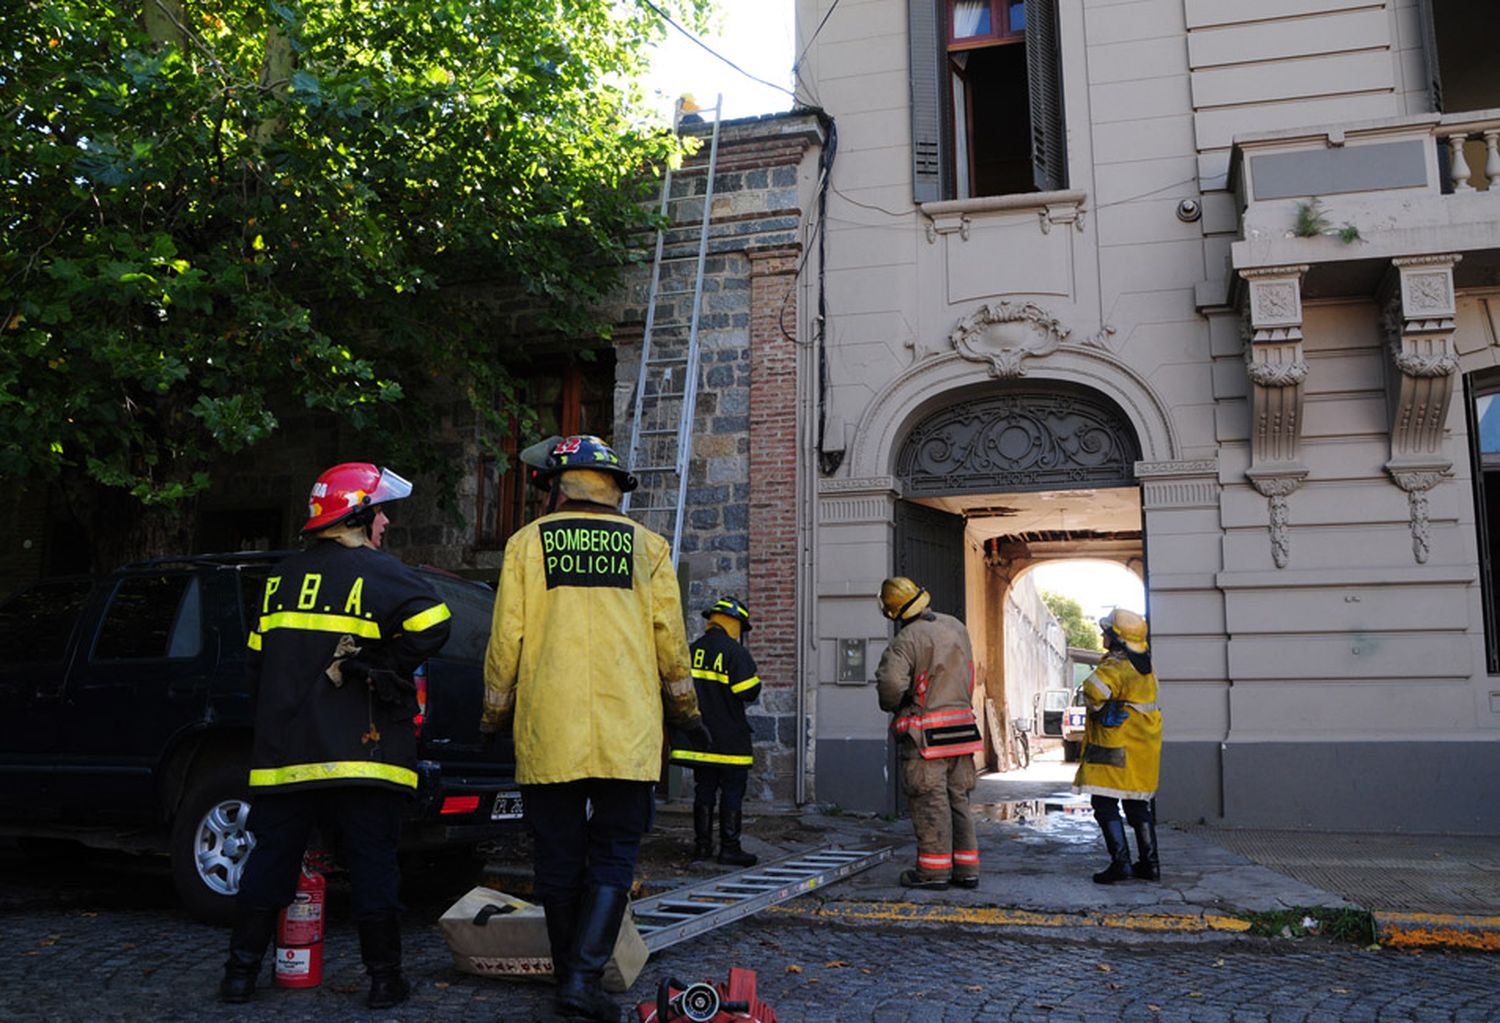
(1121, 755)
(727, 681)
(926, 679)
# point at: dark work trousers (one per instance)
(573, 849)
(1137, 811)
(369, 822)
(724, 784)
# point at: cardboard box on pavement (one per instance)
(492, 934)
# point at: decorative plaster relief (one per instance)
(1186, 484)
(844, 501)
(1417, 482)
(1277, 485)
(1004, 334)
(1420, 320)
(1277, 370)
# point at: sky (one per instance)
(1098, 585)
(755, 34)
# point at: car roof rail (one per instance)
(227, 558)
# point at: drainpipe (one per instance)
(810, 414)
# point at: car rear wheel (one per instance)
(210, 842)
(1071, 749)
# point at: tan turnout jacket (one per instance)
(926, 678)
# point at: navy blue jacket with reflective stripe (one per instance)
(318, 603)
(724, 675)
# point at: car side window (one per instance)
(36, 624)
(152, 617)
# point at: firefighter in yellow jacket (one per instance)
(588, 646)
(1122, 747)
(926, 678)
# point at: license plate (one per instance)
(507, 807)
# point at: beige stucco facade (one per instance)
(1299, 493)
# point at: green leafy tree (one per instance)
(1081, 631)
(219, 212)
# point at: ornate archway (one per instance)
(1019, 437)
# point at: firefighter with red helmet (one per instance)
(926, 679)
(587, 650)
(340, 630)
(727, 681)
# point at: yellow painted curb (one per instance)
(994, 916)
(1438, 930)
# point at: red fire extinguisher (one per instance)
(299, 933)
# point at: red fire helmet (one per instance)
(349, 488)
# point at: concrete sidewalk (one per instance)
(1039, 845)
(1037, 857)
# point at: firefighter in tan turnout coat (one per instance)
(926, 678)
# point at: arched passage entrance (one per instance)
(953, 476)
(993, 484)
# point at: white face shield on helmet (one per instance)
(390, 488)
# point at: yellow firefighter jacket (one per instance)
(587, 648)
(1121, 761)
(926, 678)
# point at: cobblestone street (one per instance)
(102, 940)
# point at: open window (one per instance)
(1459, 42)
(1484, 440)
(987, 116)
(568, 398)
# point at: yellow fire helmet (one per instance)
(901, 599)
(1129, 626)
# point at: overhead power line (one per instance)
(668, 19)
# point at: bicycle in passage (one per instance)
(1020, 730)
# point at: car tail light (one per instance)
(419, 676)
(459, 804)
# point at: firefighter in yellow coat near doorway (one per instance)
(1122, 747)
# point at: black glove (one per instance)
(698, 736)
(354, 671)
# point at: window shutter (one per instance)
(926, 37)
(1049, 158)
(1430, 54)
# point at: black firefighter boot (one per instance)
(380, 948)
(1119, 853)
(730, 852)
(247, 946)
(1148, 867)
(703, 831)
(562, 932)
(581, 995)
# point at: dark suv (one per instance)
(125, 718)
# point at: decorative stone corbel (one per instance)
(1419, 322)
(1277, 370)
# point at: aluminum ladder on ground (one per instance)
(666, 391)
(664, 920)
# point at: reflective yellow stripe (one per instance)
(710, 676)
(254, 641)
(749, 683)
(427, 619)
(337, 770)
(712, 758)
(309, 621)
